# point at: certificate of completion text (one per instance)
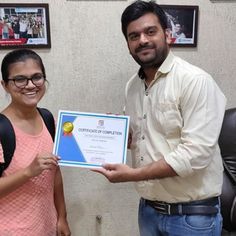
(90, 139)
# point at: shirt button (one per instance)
(143, 137)
(141, 158)
(146, 93)
(144, 116)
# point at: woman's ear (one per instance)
(4, 85)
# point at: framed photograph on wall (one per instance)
(24, 25)
(183, 24)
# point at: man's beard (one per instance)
(156, 60)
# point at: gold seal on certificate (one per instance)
(90, 139)
(67, 127)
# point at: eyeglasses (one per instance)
(22, 81)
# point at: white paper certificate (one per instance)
(90, 139)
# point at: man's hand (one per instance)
(116, 173)
(122, 173)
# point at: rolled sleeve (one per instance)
(202, 106)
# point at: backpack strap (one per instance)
(8, 141)
(48, 120)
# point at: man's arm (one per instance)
(123, 173)
(202, 107)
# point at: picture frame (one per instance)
(24, 25)
(183, 24)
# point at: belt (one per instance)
(200, 207)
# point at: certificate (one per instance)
(90, 139)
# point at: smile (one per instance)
(30, 93)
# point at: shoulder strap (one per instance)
(8, 141)
(48, 120)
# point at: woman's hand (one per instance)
(63, 227)
(43, 161)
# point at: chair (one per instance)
(227, 143)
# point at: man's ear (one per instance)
(168, 36)
(128, 47)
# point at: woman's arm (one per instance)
(41, 162)
(59, 200)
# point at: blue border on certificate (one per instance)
(68, 149)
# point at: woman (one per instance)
(31, 191)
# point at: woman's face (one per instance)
(28, 94)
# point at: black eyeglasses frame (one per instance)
(33, 79)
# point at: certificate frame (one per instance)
(89, 140)
(26, 25)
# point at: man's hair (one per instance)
(19, 55)
(140, 8)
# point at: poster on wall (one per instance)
(183, 23)
(24, 25)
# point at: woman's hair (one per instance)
(19, 55)
(140, 8)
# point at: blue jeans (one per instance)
(152, 223)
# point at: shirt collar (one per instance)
(163, 69)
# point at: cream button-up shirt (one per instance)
(178, 118)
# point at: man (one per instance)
(176, 112)
(177, 32)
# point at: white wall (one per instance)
(88, 66)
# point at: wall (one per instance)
(88, 66)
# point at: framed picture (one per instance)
(24, 25)
(183, 23)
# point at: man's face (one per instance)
(147, 42)
(177, 28)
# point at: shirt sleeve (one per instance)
(202, 105)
